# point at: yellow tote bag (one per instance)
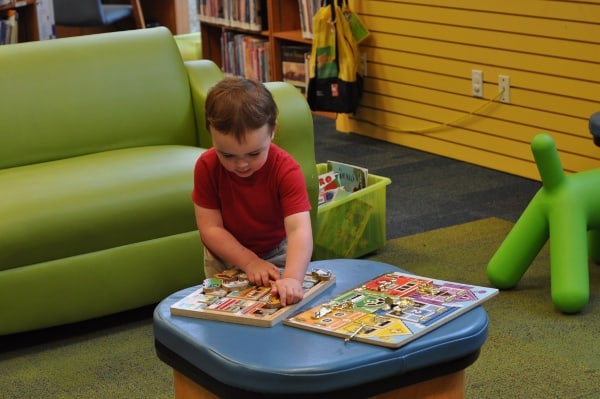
(335, 84)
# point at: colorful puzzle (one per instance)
(392, 309)
(229, 297)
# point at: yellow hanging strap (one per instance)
(323, 52)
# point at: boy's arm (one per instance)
(299, 247)
(221, 242)
(299, 251)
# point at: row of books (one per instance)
(9, 28)
(308, 8)
(249, 14)
(341, 180)
(9, 22)
(245, 55)
(243, 14)
(294, 65)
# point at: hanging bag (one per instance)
(335, 84)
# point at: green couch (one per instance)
(190, 46)
(98, 141)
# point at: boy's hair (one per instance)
(236, 105)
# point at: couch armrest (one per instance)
(203, 75)
(190, 45)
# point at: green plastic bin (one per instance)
(353, 226)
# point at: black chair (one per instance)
(92, 14)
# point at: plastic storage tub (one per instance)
(353, 226)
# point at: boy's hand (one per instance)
(262, 273)
(289, 291)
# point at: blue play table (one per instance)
(216, 359)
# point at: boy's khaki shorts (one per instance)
(214, 265)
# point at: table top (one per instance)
(288, 359)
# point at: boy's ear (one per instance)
(274, 130)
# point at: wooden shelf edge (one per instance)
(293, 36)
(16, 4)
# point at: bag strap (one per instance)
(333, 16)
(342, 4)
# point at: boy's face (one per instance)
(245, 158)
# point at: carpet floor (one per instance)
(532, 350)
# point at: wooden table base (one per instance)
(451, 386)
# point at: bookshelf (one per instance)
(35, 18)
(278, 23)
(174, 14)
(27, 18)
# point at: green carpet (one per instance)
(532, 350)
(106, 362)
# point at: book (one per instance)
(9, 28)
(293, 58)
(351, 177)
(250, 50)
(307, 9)
(392, 309)
(240, 14)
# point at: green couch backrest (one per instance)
(68, 97)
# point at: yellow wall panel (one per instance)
(420, 55)
(555, 113)
(544, 24)
(381, 95)
(436, 144)
(551, 46)
(522, 78)
(534, 8)
(582, 70)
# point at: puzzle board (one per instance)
(392, 309)
(226, 298)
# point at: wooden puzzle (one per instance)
(392, 309)
(229, 297)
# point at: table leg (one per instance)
(186, 388)
(451, 386)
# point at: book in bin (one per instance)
(351, 177)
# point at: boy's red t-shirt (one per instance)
(252, 208)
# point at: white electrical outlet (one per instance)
(504, 88)
(477, 83)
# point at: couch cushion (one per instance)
(83, 204)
